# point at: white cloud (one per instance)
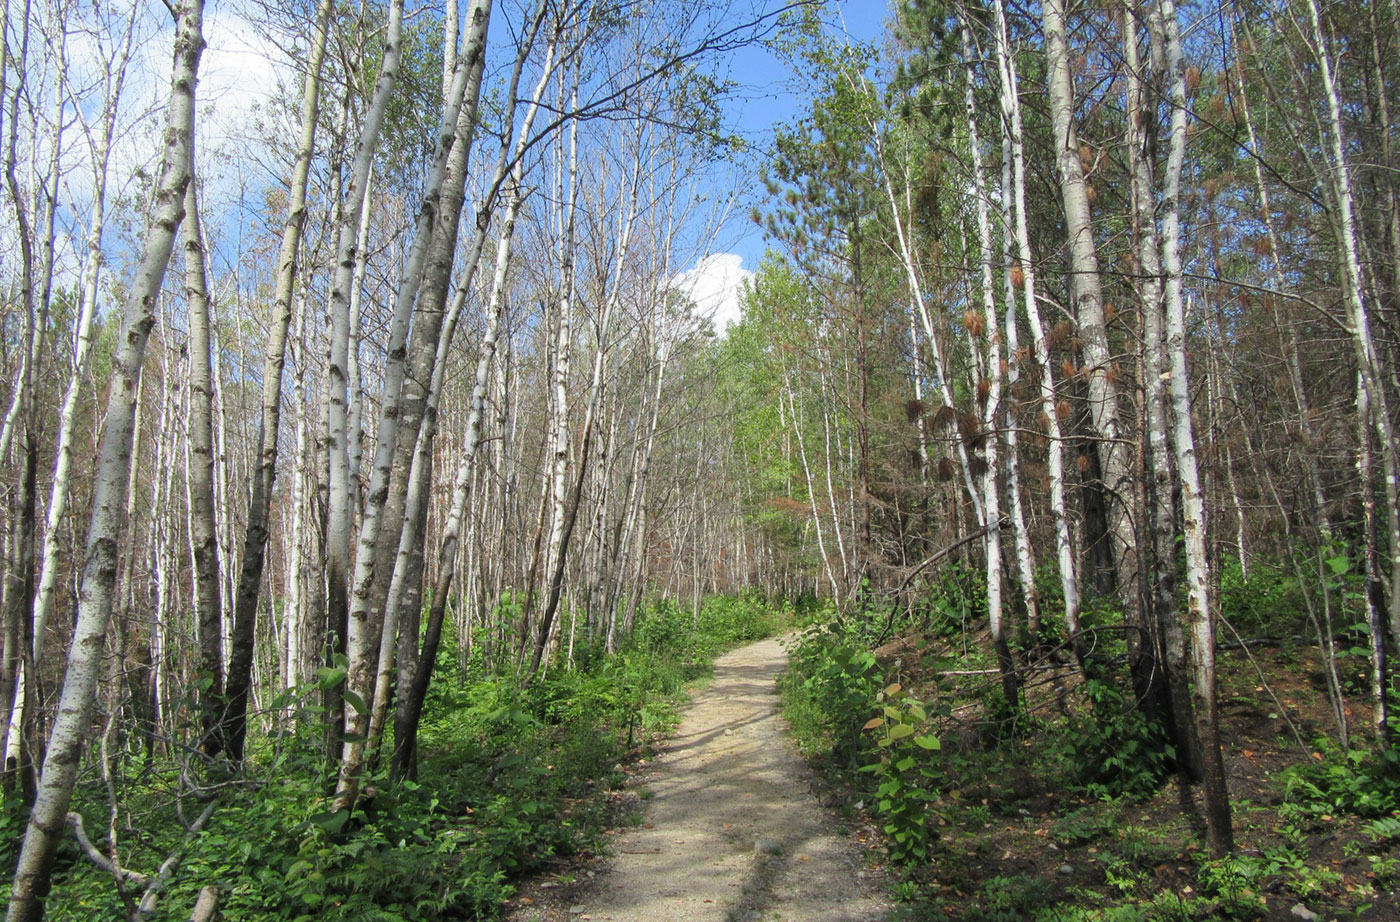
(238, 75)
(715, 285)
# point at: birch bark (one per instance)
(1050, 406)
(1171, 640)
(1358, 311)
(365, 620)
(46, 822)
(1086, 291)
(1200, 617)
(203, 522)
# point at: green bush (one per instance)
(1354, 781)
(1109, 748)
(829, 690)
(1266, 602)
(508, 777)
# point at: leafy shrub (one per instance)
(1112, 750)
(907, 782)
(1011, 898)
(829, 689)
(1354, 781)
(1266, 602)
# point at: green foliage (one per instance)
(907, 782)
(1386, 829)
(1266, 602)
(1109, 748)
(1232, 886)
(956, 604)
(828, 690)
(508, 778)
(1011, 898)
(1352, 781)
(1085, 825)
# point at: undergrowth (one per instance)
(509, 779)
(1066, 807)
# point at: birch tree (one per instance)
(232, 732)
(46, 823)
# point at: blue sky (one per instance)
(770, 95)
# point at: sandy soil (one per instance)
(732, 830)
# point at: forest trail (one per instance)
(732, 831)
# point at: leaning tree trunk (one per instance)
(111, 483)
(82, 348)
(412, 464)
(365, 620)
(1358, 311)
(398, 566)
(340, 491)
(409, 714)
(232, 731)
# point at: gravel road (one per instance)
(732, 831)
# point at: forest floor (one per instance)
(1015, 842)
(730, 827)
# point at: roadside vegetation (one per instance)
(1071, 808)
(513, 777)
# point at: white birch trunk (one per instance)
(1358, 311)
(1200, 618)
(1115, 460)
(1011, 111)
(230, 734)
(111, 483)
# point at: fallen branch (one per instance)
(899, 593)
(151, 885)
(96, 857)
(156, 884)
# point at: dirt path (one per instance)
(732, 830)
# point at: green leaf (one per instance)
(328, 678)
(928, 741)
(1339, 564)
(355, 701)
(900, 731)
(331, 821)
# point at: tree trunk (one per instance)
(1169, 639)
(1086, 293)
(1051, 408)
(46, 822)
(203, 527)
(1200, 617)
(231, 735)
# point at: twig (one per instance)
(167, 868)
(899, 593)
(1283, 712)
